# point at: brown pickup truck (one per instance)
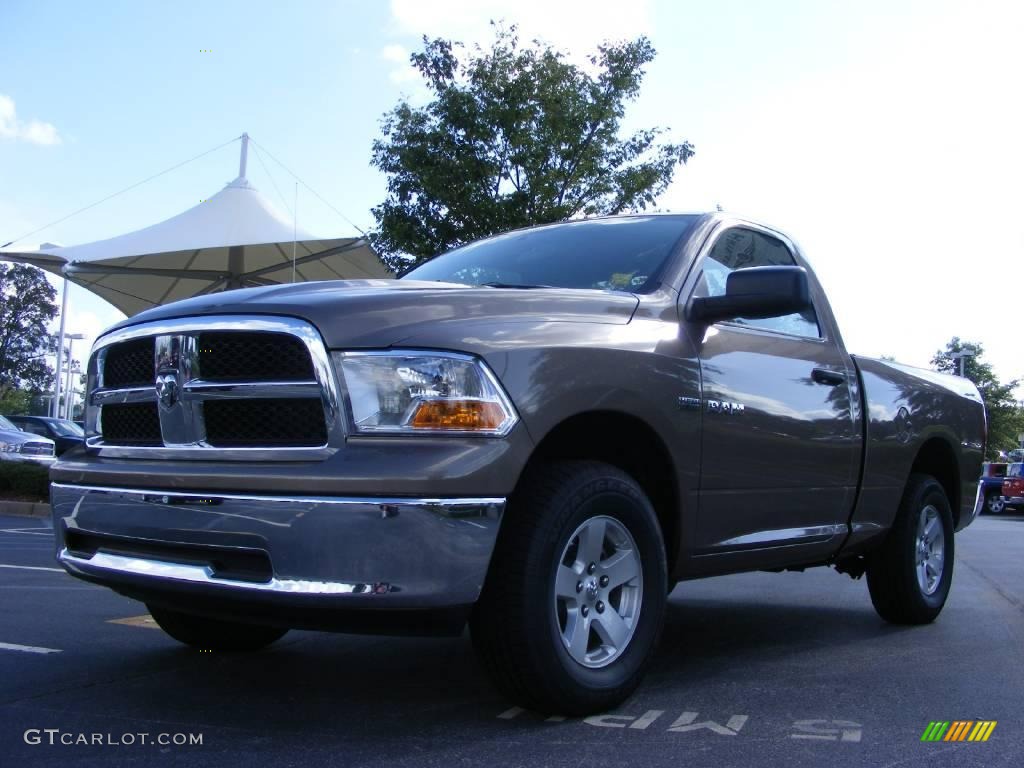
(540, 433)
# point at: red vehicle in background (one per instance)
(1013, 486)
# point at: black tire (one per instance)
(516, 625)
(896, 591)
(994, 504)
(213, 634)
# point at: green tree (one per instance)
(512, 136)
(14, 401)
(26, 310)
(1005, 418)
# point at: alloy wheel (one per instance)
(598, 591)
(930, 548)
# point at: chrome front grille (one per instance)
(212, 387)
(37, 449)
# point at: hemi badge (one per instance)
(689, 402)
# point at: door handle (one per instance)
(828, 377)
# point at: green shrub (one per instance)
(24, 480)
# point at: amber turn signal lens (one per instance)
(458, 414)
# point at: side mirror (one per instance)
(755, 292)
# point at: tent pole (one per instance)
(55, 405)
(243, 160)
(295, 227)
(236, 266)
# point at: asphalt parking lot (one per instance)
(755, 669)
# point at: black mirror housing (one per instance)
(753, 293)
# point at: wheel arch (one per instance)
(631, 444)
(936, 457)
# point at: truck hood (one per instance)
(374, 313)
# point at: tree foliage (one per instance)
(1005, 418)
(512, 136)
(26, 310)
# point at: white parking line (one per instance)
(29, 531)
(32, 568)
(27, 648)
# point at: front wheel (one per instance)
(575, 595)
(995, 504)
(910, 576)
(213, 634)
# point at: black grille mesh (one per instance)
(236, 355)
(129, 364)
(131, 424)
(265, 422)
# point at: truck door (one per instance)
(780, 445)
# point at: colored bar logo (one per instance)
(959, 730)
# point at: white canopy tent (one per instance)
(234, 239)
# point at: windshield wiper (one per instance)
(515, 285)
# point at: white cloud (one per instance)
(34, 131)
(38, 132)
(398, 56)
(395, 53)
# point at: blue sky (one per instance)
(885, 136)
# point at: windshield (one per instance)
(5, 424)
(619, 254)
(66, 428)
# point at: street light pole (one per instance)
(72, 392)
(55, 403)
(961, 356)
(69, 392)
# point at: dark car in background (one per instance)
(65, 434)
(991, 484)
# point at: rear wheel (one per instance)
(994, 503)
(213, 634)
(910, 576)
(575, 595)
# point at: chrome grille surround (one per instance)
(178, 389)
(37, 449)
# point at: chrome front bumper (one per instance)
(20, 458)
(361, 553)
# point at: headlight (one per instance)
(423, 392)
(10, 447)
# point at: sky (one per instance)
(884, 137)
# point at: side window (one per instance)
(740, 248)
